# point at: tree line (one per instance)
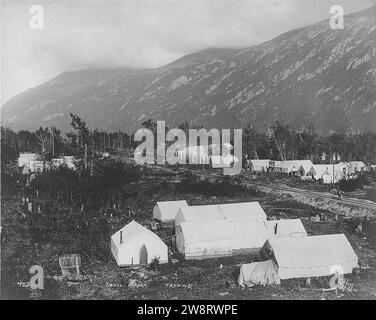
(278, 142)
(50, 142)
(281, 142)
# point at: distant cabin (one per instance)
(136, 245)
(165, 211)
(35, 166)
(26, 157)
(218, 238)
(228, 211)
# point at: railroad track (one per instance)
(353, 202)
(369, 205)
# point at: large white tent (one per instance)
(286, 228)
(134, 245)
(165, 211)
(229, 211)
(259, 165)
(302, 168)
(322, 171)
(214, 238)
(314, 256)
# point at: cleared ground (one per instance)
(206, 279)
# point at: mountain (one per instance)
(313, 75)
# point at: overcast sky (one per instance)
(139, 33)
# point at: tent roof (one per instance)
(358, 164)
(229, 211)
(314, 251)
(306, 164)
(260, 162)
(169, 209)
(130, 231)
(287, 228)
(200, 213)
(251, 210)
(223, 230)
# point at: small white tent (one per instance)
(228, 211)
(135, 245)
(258, 273)
(286, 228)
(308, 169)
(322, 171)
(165, 211)
(315, 256)
(207, 239)
(259, 165)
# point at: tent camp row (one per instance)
(305, 169)
(286, 251)
(208, 155)
(202, 232)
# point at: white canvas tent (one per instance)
(314, 256)
(356, 166)
(207, 239)
(135, 245)
(259, 165)
(302, 168)
(322, 171)
(275, 166)
(229, 211)
(194, 155)
(165, 211)
(259, 273)
(286, 228)
(307, 165)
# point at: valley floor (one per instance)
(206, 279)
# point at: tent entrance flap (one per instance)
(259, 273)
(143, 255)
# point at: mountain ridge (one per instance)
(310, 75)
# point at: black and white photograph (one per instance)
(186, 156)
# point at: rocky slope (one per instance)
(310, 75)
